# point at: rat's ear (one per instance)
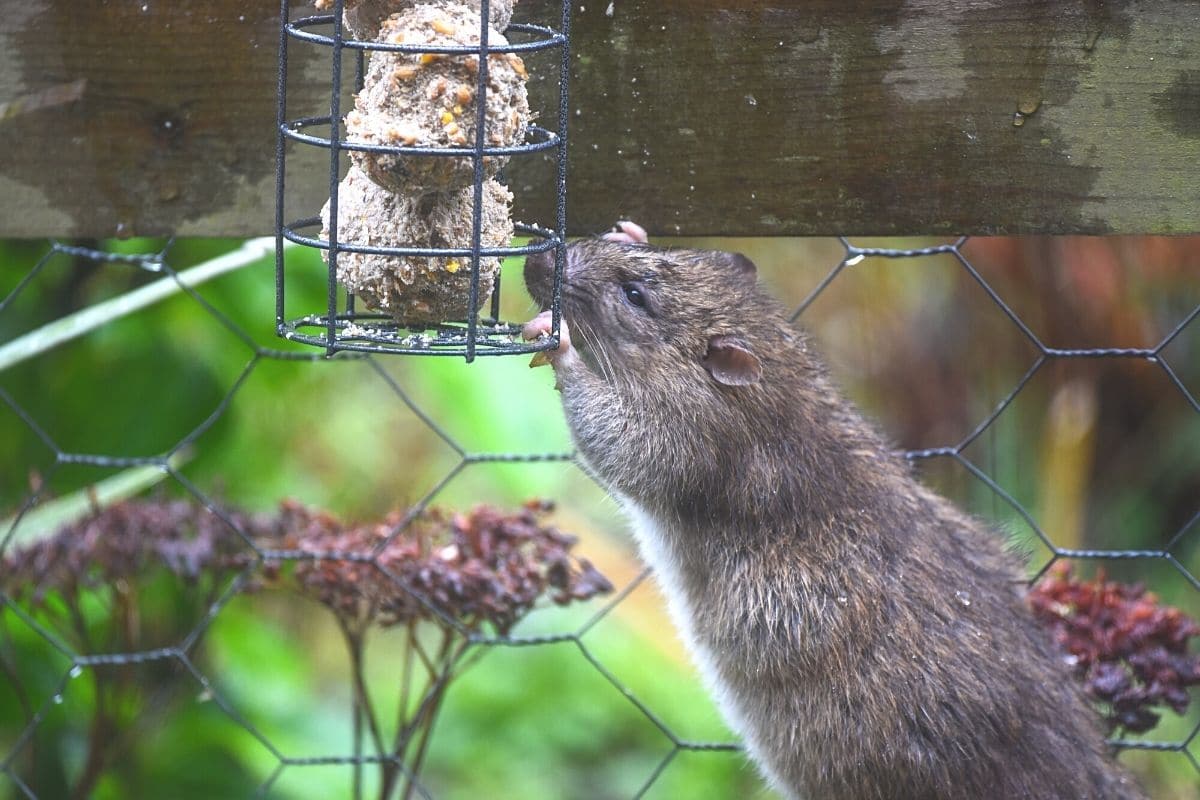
(741, 266)
(731, 361)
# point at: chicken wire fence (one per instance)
(26, 623)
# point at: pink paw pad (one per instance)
(542, 325)
(626, 232)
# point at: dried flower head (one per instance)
(124, 541)
(485, 567)
(1130, 651)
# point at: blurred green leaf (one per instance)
(81, 322)
(46, 518)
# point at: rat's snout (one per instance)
(539, 276)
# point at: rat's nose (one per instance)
(539, 276)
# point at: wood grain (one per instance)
(695, 118)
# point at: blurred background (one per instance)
(1099, 453)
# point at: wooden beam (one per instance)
(692, 116)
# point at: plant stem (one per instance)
(99, 735)
(356, 732)
(446, 664)
(14, 680)
(70, 597)
(390, 769)
(405, 730)
(406, 678)
(355, 642)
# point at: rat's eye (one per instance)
(635, 293)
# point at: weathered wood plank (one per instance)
(692, 116)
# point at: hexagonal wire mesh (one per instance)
(182, 655)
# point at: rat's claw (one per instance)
(543, 325)
(627, 232)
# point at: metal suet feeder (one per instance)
(418, 217)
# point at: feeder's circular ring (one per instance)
(549, 40)
(547, 240)
(379, 333)
(542, 140)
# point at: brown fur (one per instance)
(871, 638)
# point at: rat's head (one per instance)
(638, 312)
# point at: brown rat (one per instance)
(866, 638)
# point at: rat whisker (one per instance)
(586, 341)
(603, 357)
(596, 344)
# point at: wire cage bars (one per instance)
(344, 323)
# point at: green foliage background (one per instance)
(533, 721)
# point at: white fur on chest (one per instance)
(658, 551)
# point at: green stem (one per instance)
(356, 780)
(99, 735)
(355, 643)
(445, 673)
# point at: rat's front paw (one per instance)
(627, 232)
(543, 325)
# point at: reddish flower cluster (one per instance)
(462, 569)
(1130, 651)
(458, 569)
(123, 541)
(462, 572)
